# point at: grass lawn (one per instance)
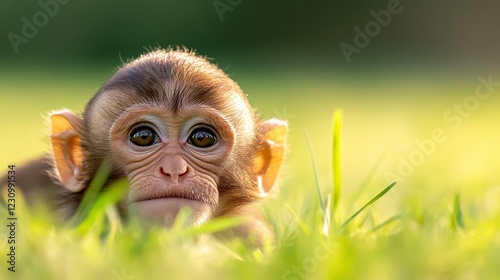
(440, 221)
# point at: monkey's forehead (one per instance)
(172, 98)
(172, 78)
(115, 104)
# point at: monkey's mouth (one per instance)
(166, 197)
(207, 196)
(163, 208)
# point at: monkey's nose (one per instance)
(174, 167)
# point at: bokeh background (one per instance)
(286, 56)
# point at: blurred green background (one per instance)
(289, 32)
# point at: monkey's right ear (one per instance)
(66, 134)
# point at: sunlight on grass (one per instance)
(442, 221)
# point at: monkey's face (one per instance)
(180, 130)
(172, 160)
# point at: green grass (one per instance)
(441, 222)
(97, 230)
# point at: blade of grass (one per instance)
(183, 219)
(299, 221)
(457, 219)
(93, 192)
(373, 200)
(336, 166)
(213, 226)
(114, 223)
(316, 178)
(386, 222)
(326, 227)
(112, 195)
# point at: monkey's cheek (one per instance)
(164, 211)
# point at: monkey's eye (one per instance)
(144, 136)
(202, 138)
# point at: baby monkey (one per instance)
(182, 133)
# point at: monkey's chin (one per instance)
(163, 211)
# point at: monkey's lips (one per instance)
(163, 210)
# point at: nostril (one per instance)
(184, 172)
(176, 172)
(164, 172)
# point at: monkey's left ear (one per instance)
(66, 134)
(270, 153)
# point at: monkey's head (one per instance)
(180, 130)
